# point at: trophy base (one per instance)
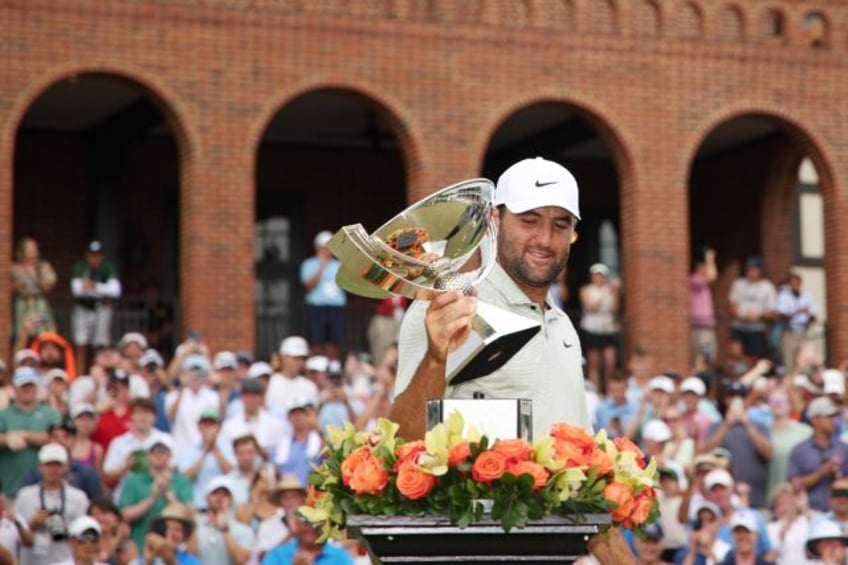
(498, 335)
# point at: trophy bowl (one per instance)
(429, 247)
(447, 241)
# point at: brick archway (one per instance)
(779, 180)
(165, 100)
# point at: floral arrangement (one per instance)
(450, 474)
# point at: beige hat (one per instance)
(287, 482)
(175, 511)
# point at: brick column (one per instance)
(655, 255)
(835, 194)
(216, 240)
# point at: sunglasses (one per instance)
(88, 537)
(839, 493)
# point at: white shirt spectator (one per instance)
(184, 427)
(265, 428)
(125, 444)
(10, 538)
(282, 390)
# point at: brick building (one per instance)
(206, 141)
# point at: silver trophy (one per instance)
(447, 241)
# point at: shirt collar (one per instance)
(507, 287)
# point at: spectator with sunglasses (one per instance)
(838, 503)
(84, 539)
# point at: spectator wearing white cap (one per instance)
(698, 412)
(325, 300)
(254, 418)
(748, 443)
(745, 532)
(816, 461)
(719, 490)
(56, 390)
(704, 547)
(132, 346)
(211, 457)
(655, 436)
(658, 396)
(23, 429)
(152, 371)
(288, 383)
(49, 508)
(221, 539)
(224, 379)
(298, 451)
(84, 537)
(147, 490)
(599, 321)
(185, 404)
(786, 433)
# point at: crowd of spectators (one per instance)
(187, 456)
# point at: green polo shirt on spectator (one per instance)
(16, 464)
(138, 486)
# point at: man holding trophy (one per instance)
(537, 214)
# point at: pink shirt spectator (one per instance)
(701, 311)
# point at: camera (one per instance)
(56, 526)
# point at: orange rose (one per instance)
(489, 466)
(624, 444)
(514, 449)
(369, 477)
(409, 451)
(353, 461)
(621, 496)
(643, 505)
(459, 453)
(573, 445)
(412, 482)
(602, 462)
(539, 473)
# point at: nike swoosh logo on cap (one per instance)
(540, 184)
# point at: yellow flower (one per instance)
(457, 432)
(568, 482)
(435, 459)
(545, 455)
(336, 437)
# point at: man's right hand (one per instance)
(448, 323)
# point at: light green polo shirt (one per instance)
(547, 370)
(16, 464)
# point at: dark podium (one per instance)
(432, 539)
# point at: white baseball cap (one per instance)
(26, 355)
(599, 268)
(693, 384)
(221, 481)
(225, 360)
(834, 381)
(84, 524)
(151, 357)
(662, 383)
(744, 519)
(82, 408)
(133, 337)
(822, 406)
(718, 477)
(259, 369)
(295, 346)
(53, 453)
(535, 183)
(322, 238)
(318, 363)
(656, 430)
